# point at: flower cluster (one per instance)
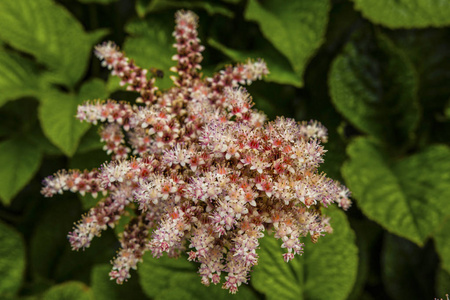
(203, 170)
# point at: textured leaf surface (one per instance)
(57, 115)
(279, 68)
(150, 45)
(18, 77)
(296, 28)
(19, 161)
(409, 197)
(375, 87)
(171, 279)
(71, 290)
(406, 13)
(326, 270)
(48, 32)
(12, 262)
(442, 243)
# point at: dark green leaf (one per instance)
(106, 289)
(98, 1)
(375, 87)
(442, 284)
(144, 7)
(50, 237)
(326, 270)
(71, 290)
(442, 242)
(409, 197)
(296, 28)
(427, 49)
(150, 45)
(279, 67)
(57, 115)
(90, 141)
(12, 261)
(19, 161)
(168, 278)
(50, 33)
(407, 270)
(405, 13)
(18, 77)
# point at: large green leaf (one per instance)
(18, 77)
(442, 242)
(19, 161)
(408, 197)
(171, 279)
(12, 261)
(296, 28)
(406, 13)
(57, 115)
(279, 67)
(326, 270)
(375, 87)
(71, 290)
(51, 34)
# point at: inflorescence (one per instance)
(202, 170)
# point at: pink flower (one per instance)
(210, 175)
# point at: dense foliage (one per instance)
(375, 73)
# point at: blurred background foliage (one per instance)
(376, 73)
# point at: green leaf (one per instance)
(210, 8)
(18, 77)
(106, 289)
(442, 283)
(407, 270)
(427, 49)
(168, 278)
(50, 235)
(19, 161)
(375, 87)
(326, 270)
(408, 197)
(104, 2)
(279, 67)
(71, 290)
(12, 262)
(296, 28)
(90, 141)
(442, 243)
(150, 44)
(57, 115)
(144, 7)
(49, 32)
(51, 255)
(405, 13)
